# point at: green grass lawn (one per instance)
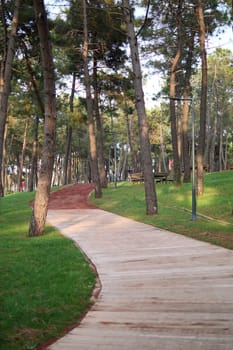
(175, 204)
(45, 282)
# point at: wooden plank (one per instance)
(160, 290)
(136, 177)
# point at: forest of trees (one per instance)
(72, 106)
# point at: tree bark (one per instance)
(186, 110)
(99, 127)
(203, 103)
(185, 139)
(176, 159)
(91, 127)
(150, 191)
(69, 132)
(162, 157)
(5, 81)
(67, 157)
(220, 152)
(39, 213)
(33, 178)
(21, 158)
(172, 95)
(4, 161)
(213, 129)
(129, 136)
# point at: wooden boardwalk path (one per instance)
(160, 290)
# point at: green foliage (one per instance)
(45, 281)
(215, 218)
(220, 90)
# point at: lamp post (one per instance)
(114, 155)
(194, 205)
(115, 163)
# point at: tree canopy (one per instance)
(168, 37)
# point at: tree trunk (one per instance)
(186, 109)
(33, 178)
(91, 128)
(176, 159)
(225, 155)
(5, 81)
(214, 129)
(69, 132)
(172, 95)
(220, 152)
(186, 154)
(4, 157)
(125, 164)
(57, 166)
(39, 212)
(150, 192)
(203, 106)
(21, 176)
(208, 140)
(128, 125)
(179, 130)
(99, 126)
(162, 156)
(67, 157)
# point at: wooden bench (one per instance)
(136, 177)
(159, 177)
(162, 178)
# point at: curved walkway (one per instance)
(160, 290)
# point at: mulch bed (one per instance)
(72, 197)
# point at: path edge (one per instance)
(95, 294)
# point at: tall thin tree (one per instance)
(172, 93)
(39, 212)
(99, 126)
(150, 192)
(203, 103)
(5, 81)
(90, 112)
(186, 108)
(69, 132)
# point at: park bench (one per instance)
(162, 178)
(136, 177)
(159, 177)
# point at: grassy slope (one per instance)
(175, 207)
(45, 282)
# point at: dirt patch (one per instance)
(72, 197)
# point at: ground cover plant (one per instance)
(45, 282)
(214, 222)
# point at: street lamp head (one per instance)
(178, 98)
